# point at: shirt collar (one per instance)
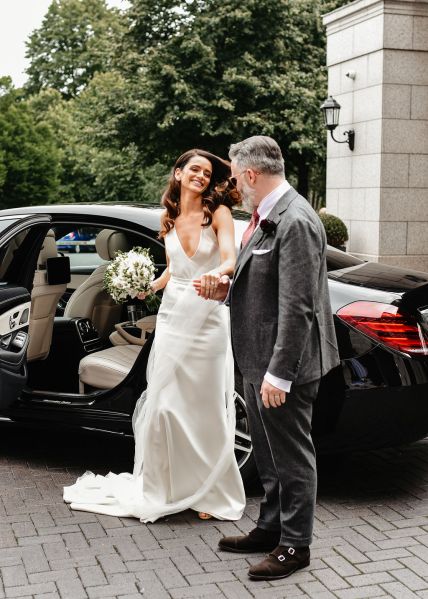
(269, 201)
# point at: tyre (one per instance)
(243, 444)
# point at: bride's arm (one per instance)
(161, 281)
(225, 231)
(223, 227)
(158, 283)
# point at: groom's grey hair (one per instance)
(260, 153)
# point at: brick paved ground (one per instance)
(371, 531)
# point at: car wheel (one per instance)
(243, 444)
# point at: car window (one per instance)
(8, 250)
(6, 222)
(157, 250)
(78, 242)
(336, 259)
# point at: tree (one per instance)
(208, 74)
(76, 40)
(135, 90)
(29, 161)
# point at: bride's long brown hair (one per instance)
(218, 191)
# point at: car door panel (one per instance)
(15, 303)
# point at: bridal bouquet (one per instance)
(129, 274)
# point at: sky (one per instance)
(18, 18)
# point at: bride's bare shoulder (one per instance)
(222, 217)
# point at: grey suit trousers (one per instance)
(285, 459)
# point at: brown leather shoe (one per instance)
(257, 541)
(282, 562)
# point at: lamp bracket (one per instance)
(350, 138)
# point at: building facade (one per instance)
(377, 58)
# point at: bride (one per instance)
(184, 423)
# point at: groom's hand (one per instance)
(272, 397)
(220, 291)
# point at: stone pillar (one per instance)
(380, 189)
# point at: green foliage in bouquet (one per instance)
(335, 228)
(129, 274)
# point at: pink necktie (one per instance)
(250, 229)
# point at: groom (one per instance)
(283, 341)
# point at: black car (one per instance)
(70, 357)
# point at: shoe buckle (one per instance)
(281, 558)
(291, 550)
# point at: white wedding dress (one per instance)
(184, 423)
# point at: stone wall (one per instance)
(380, 189)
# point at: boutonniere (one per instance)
(268, 226)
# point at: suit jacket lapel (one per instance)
(275, 216)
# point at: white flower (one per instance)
(129, 273)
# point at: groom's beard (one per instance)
(247, 197)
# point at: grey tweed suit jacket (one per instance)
(281, 319)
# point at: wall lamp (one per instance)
(331, 110)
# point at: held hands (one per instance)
(272, 397)
(212, 286)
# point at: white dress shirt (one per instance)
(263, 209)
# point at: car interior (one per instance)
(80, 340)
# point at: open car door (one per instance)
(17, 265)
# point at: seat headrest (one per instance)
(49, 249)
(108, 242)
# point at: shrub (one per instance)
(335, 229)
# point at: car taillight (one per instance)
(384, 323)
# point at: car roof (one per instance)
(145, 214)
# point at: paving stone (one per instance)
(315, 588)
(421, 551)
(52, 576)
(196, 591)
(359, 593)
(399, 591)
(341, 566)
(351, 553)
(187, 564)
(72, 562)
(112, 564)
(410, 579)
(386, 554)
(92, 530)
(32, 589)
(381, 566)
(75, 540)
(34, 559)
(415, 564)
(71, 589)
(91, 576)
(110, 590)
(330, 579)
(24, 529)
(171, 577)
(55, 551)
(127, 549)
(202, 579)
(13, 576)
(369, 579)
(371, 535)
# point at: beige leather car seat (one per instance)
(90, 300)
(44, 299)
(107, 368)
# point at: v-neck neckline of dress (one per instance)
(182, 248)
